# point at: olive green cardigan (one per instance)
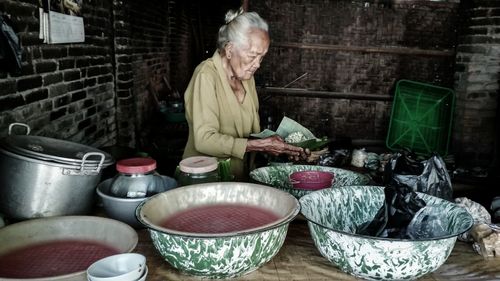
(218, 124)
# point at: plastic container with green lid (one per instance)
(198, 169)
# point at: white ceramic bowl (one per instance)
(121, 267)
(144, 274)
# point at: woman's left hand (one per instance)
(275, 145)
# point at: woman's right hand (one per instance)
(275, 145)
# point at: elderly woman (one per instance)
(221, 99)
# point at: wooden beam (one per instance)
(383, 50)
(294, 92)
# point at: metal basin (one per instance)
(218, 255)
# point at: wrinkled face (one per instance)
(246, 58)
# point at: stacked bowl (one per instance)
(123, 208)
(121, 267)
(135, 181)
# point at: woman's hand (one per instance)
(275, 145)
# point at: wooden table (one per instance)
(299, 259)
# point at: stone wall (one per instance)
(477, 85)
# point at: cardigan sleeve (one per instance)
(206, 127)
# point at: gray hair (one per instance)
(238, 23)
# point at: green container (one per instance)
(421, 118)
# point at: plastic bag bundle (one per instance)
(372, 161)
(337, 158)
(478, 213)
(392, 219)
(427, 223)
(358, 157)
(428, 176)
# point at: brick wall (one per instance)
(97, 92)
(141, 57)
(354, 51)
(477, 85)
(65, 91)
(154, 40)
(182, 21)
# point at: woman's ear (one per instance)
(228, 50)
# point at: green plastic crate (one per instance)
(421, 118)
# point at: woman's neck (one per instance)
(228, 69)
(235, 83)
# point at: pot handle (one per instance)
(28, 129)
(86, 172)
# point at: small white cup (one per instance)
(121, 267)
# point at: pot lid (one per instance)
(50, 149)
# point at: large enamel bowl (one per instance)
(70, 229)
(219, 255)
(334, 214)
(278, 176)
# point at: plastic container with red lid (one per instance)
(138, 165)
(198, 169)
(137, 177)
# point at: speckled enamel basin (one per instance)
(218, 255)
(277, 176)
(334, 214)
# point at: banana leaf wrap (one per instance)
(288, 126)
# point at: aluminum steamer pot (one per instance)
(44, 177)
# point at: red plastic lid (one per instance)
(138, 165)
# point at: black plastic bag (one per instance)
(392, 219)
(427, 176)
(10, 47)
(335, 159)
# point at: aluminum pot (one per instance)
(44, 177)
